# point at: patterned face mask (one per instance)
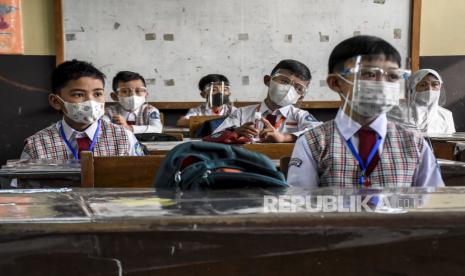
(85, 113)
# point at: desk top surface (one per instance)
(168, 145)
(147, 209)
(458, 136)
(175, 129)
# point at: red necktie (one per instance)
(131, 122)
(272, 119)
(83, 144)
(366, 142)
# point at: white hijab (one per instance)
(422, 114)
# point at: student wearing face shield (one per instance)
(276, 119)
(422, 110)
(215, 89)
(360, 148)
(132, 111)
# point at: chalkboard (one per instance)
(174, 43)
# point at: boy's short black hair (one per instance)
(296, 67)
(361, 45)
(125, 76)
(206, 80)
(73, 70)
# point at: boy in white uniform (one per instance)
(281, 120)
(132, 112)
(78, 92)
(216, 90)
(360, 147)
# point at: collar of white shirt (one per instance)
(348, 127)
(283, 110)
(70, 132)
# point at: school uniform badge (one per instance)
(139, 149)
(310, 118)
(295, 162)
(154, 116)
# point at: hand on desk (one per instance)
(271, 135)
(247, 130)
(119, 120)
(268, 135)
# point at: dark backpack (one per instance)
(204, 165)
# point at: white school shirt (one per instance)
(204, 110)
(441, 122)
(427, 172)
(296, 121)
(71, 134)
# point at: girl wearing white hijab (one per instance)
(424, 88)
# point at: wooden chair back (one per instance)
(273, 151)
(284, 165)
(179, 136)
(119, 171)
(162, 118)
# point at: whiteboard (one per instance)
(173, 43)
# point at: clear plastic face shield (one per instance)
(373, 85)
(424, 96)
(217, 94)
(285, 90)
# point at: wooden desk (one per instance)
(162, 148)
(142, 232)
(273, 151)
(453, 172)
(445, 146)
(195, 122)
(444, 149)
(27, 178)
(183, 130)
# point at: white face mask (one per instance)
(428, 98)
(85, 113)
(373, 98)
(131, 103)
(282, 95)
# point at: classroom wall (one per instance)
(442, 47)
(24, 107)
(38, 26)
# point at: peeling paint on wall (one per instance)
(169, 82)
(168, 37)
(324, 38)
(150, 36)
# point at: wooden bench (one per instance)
(119, 171)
